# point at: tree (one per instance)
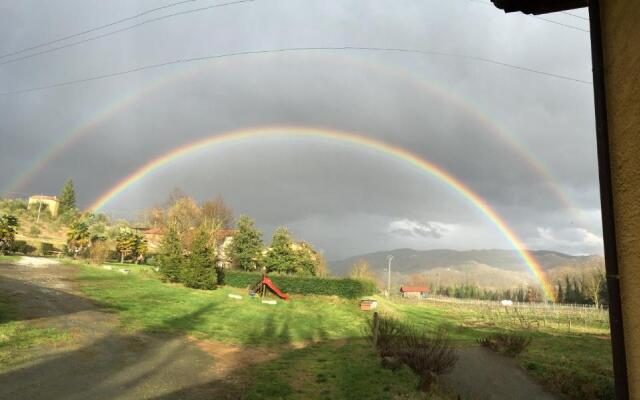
(170, 259)
(125, 243)
(280, 256)
(216, 213)
(8, 229)
(183, 216)
(246, 247)
(78, 238)
(198, 268)
(67, 197)
(361, 269)
(130, 243)
(593, 282)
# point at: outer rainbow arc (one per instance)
(342, 137)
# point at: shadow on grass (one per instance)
(21, 300)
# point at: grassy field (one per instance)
(335, 361)
(576, 364)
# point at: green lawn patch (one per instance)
(145, 303)
(334, 371)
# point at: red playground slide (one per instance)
(266, 281)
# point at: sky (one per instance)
(491, 126)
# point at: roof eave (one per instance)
(539, 6)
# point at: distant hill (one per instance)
(490, 268)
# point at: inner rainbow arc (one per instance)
(293, 132)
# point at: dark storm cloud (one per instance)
(307, 185)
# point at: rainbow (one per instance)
(293, 132)
(465, 105)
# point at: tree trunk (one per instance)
(122, 258)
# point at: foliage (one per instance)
(22, 247)
(46, 248)
(198, 267)
(170, 257)
(509, 343)
(99, 252)
(246, 248)
(130, 243)
(8, 229)
(347, 288)
(78, 238)
(34, 231)
(67, 197)
(183, 216)
(280, 257)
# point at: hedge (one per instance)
(349, 288)
(46, 248)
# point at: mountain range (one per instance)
(490, 268)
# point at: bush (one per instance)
(427, 356)
(511, 343)
(99, 252)
(348, 288)
(22, 247)
(34, 231)
(46, 248)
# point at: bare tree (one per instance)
(593, 282)
(217, 213)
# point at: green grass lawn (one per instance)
(577, 365)
(19, 339)
(335, 370)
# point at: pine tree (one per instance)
(246, 248)
(170, 259)
(8, 230)
(280, 257)
(67, 197)
(198, 268)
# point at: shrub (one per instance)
(427, 356)
(22, 247)
(34, 231)
(99, 252)
(510, 343)
(348, 288)
(46, 248)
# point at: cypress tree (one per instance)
(170, 259)
(246, 248)
(67, 197)
(198, 268)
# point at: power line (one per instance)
(291, 50)
(559, 23)
(123, 30)
(97, 28)
(574, 15)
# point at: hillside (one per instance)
(490, 268)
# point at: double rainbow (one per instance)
(341, 137)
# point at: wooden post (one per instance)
(376, 328)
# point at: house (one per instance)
(414, 292)
(50, 202)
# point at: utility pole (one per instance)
(389, 258)
(39, 208)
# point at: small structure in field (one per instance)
(367, 305)
(50, 202)
(414, 292)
